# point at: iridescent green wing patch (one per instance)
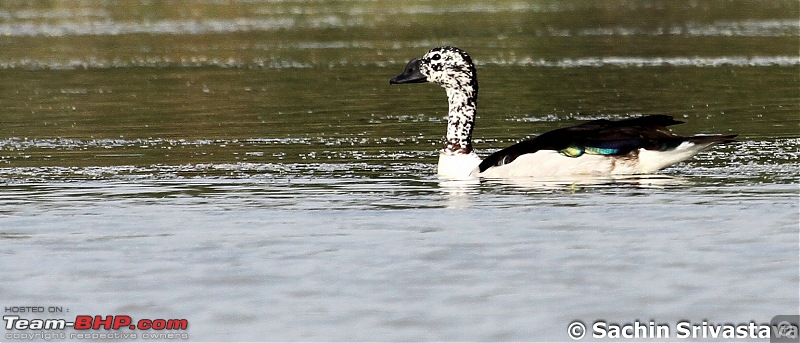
(575, 151)
(572, 151)
(601, 151)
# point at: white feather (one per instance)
(650, 161)
(549, 163)
(458, 166)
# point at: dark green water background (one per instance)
(137, 84)
(247, 167)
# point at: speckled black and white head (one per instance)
(451, 68)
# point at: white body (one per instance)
(550, 163)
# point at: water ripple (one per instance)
(279, 63)
(773, 161)
(639, 62)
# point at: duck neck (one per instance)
(463, 106)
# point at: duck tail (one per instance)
(711, 139)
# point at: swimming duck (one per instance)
(641, 145)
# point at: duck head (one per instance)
(446, 66)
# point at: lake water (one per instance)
(247, 167)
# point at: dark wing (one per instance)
(600, 137)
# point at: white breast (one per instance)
(458, 166)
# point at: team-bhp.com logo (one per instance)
(84, 322)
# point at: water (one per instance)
(246, 167)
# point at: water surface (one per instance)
(247, 167)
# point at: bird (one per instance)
(602, 147)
